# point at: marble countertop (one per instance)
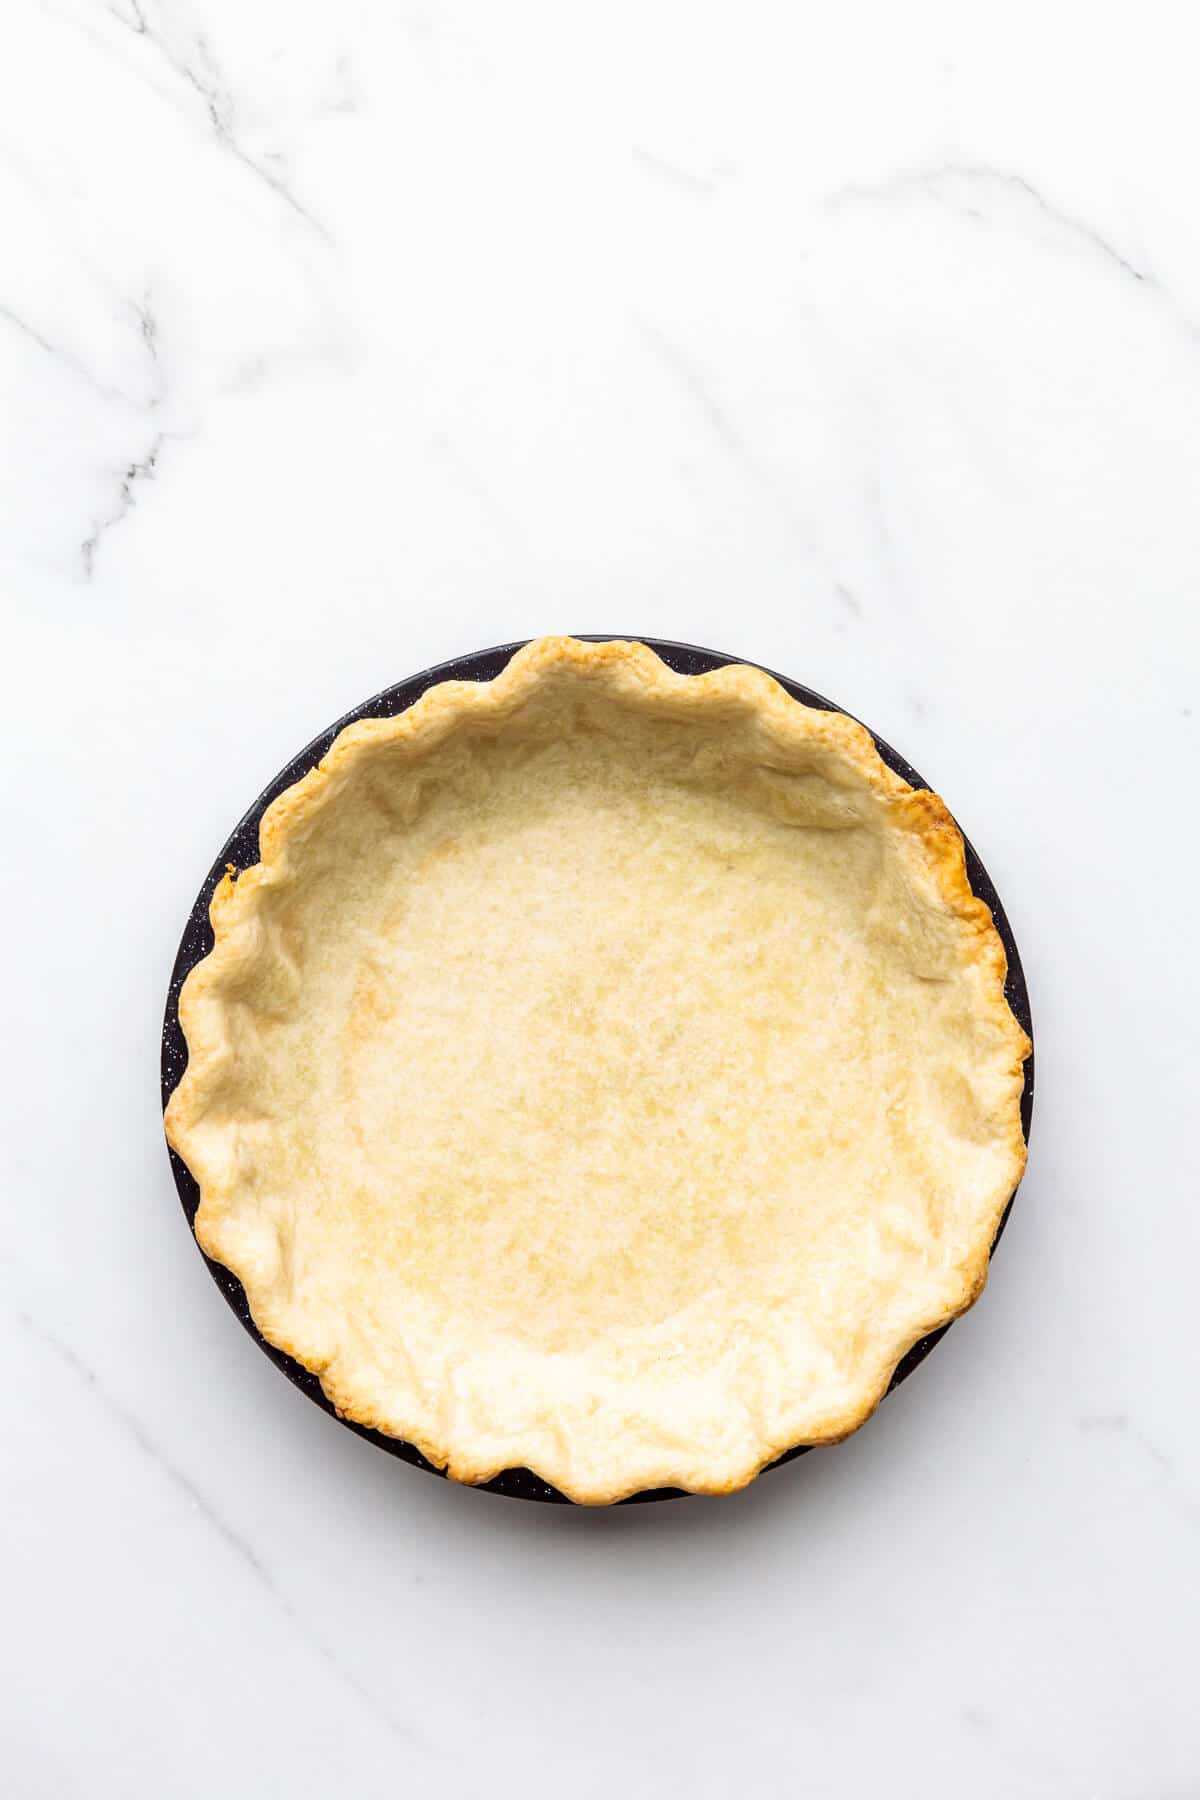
(863, 341)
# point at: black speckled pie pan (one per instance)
(241, 849)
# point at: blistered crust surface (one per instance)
(603, 1071)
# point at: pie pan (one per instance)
(242, 851)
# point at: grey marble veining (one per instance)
(338, 341)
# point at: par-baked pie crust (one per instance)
(604, 1071)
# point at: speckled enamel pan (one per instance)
(241, 849)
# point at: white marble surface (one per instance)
(863, 340)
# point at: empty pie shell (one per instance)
(605, 1072)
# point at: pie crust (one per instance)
(604, 1071)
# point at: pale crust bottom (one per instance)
(603, 1071)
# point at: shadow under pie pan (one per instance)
(242, 850)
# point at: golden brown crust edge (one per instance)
(922, 816)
